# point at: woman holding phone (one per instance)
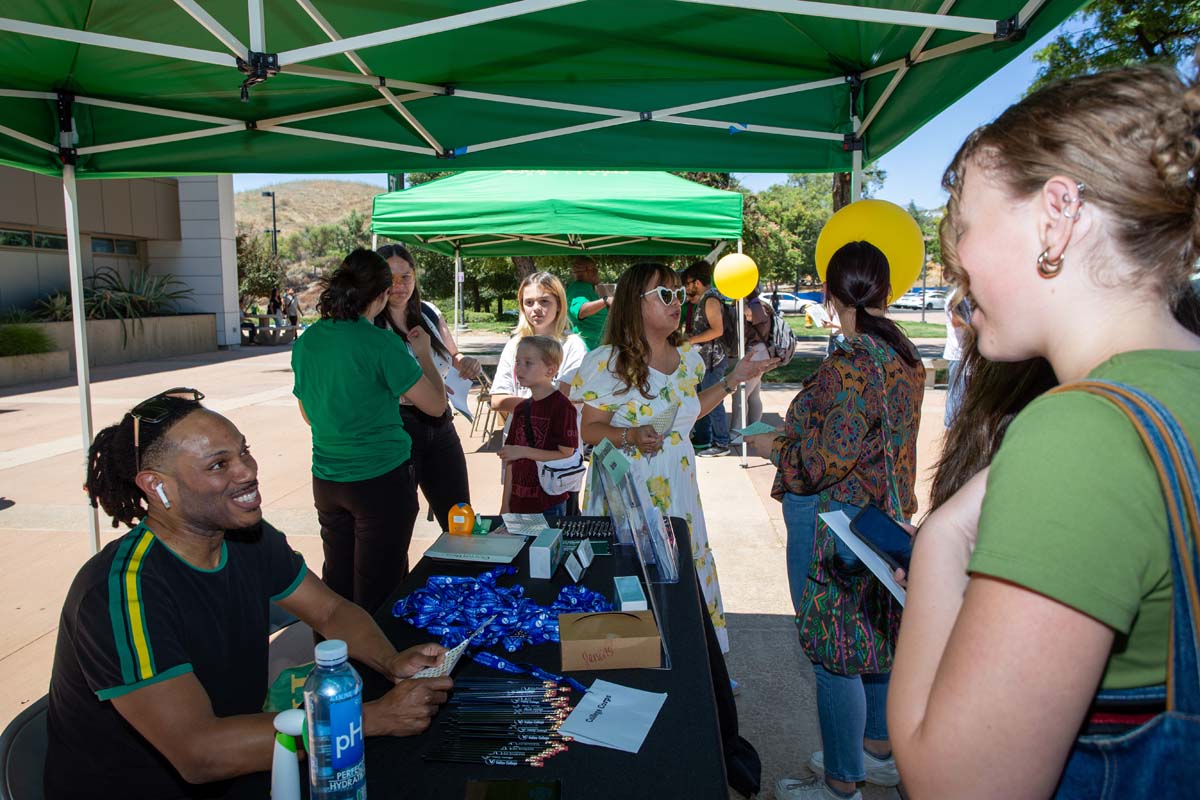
(849, 439)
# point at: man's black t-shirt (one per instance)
(137, 614)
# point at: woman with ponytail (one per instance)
(848, 440)
(350, 376)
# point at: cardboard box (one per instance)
(612, 640)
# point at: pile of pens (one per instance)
(503, 722)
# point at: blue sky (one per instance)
(914, 168)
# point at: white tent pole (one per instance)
(901, 72)
(335, 137)
(374, 241)
(158, 112)
(458, 276)
(781, 91)
(749, 128)
(153, 140)
(140, 46)
(79, 325)
(419, 29)
(210, 24)
(258, 28)
(914, 19)
(361, 66)
(27, 139)
(856, 175)
(743, 398)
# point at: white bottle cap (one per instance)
(331, 652)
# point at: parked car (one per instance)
(789, 303)
(916, 300)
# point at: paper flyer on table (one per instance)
(460, 393)
(524, 524)
(839, 523)
(611, 715)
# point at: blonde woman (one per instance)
(543, 305)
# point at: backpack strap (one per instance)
(1174, 459)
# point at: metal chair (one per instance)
(23, 754)
(483, 406)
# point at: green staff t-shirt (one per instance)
(349, 377)
(1074, 509)
(591, 328)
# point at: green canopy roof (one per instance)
(377, 85)
(528, 213)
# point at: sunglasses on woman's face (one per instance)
(154, 410)
(668, 296)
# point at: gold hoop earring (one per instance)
(1046, 268)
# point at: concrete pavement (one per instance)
(43, 524)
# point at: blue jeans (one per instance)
(850, 708)
(712, 430)
(559, 510)
(800, 517)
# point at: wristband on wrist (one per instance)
(624, 439)
(725, 383)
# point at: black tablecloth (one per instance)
(681, 756)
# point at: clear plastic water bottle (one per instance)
(333, 709)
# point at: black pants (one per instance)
(366, 527)
(439, 461)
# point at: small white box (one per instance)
(545, 554)
(630, 596)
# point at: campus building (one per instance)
(179, 226)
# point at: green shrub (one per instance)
(24, 340)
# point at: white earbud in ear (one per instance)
(162, 495)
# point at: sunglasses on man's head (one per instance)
(667, 296)
(154, 410)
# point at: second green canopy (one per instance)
(537, 212)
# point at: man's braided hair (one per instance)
(112, 463)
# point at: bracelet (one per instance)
(624, 439)
(725, 383)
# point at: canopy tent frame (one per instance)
(986, 32)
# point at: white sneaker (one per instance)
(881, 772)
(813, 788)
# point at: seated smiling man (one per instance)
(160, 670)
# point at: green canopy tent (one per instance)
(108, 88)
(568, 212)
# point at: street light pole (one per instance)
(274, 225)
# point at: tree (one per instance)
(259, 270)
(781, 224)
(1115, 33)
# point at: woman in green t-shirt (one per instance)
(1043, 586)
(349, 377)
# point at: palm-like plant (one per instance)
(107, 295)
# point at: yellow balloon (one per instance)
(735, 275)
(885, 225)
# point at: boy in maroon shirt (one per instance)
(543, 428)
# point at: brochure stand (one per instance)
(640, 524)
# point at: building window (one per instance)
(120, 247)
(49, 241)
(11, 238)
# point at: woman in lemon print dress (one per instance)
(642, 369)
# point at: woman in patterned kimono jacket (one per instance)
(849, 438)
